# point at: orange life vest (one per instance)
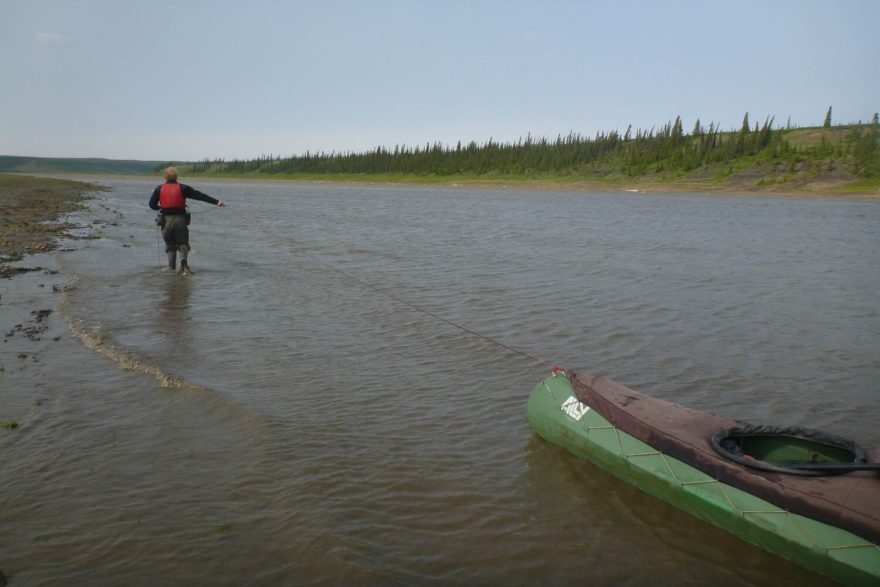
(171, 196)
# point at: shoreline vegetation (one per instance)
(31, 210)
(827, 160)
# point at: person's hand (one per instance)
(221, 203)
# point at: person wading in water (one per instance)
(170, 199)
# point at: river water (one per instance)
(275, 419)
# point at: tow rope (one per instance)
(434, 315)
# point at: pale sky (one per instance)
(186, 79)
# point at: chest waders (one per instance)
(176, 235)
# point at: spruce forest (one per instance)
(756, 156)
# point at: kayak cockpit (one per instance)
(791, 450)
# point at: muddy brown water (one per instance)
(269, 420)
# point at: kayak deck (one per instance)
(560, 418)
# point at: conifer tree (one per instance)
(677, 134)
(745, 129)
(739, 148)
(827, 123)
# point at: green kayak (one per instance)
(810, 497)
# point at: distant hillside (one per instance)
(13, 164)
(759, 157)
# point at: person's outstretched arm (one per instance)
(194, 194)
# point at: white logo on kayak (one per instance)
(575, 408)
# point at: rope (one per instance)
(430, 313)
(203, 211)
(159, 245)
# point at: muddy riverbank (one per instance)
(31, 208)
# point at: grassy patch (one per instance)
(861, 186)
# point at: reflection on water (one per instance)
(173, 313)
(177, 290)
(325, 433)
